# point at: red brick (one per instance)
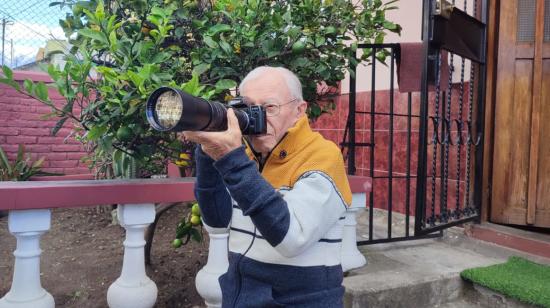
(8, 107)
(11, 131)
(27, 116)
(20, 140)
(42, 109)
(76, 155)
(66, 148)
(45, 123)
(54, 170)
(62, 164)
(65, 131)
(29, 102)
(2, 140)
(51, 140)
(34, 132)
(20, 123)
(37, 148)
(55, 156)
(9, 148)
(10, 92)
(77, 170)
(72, 140)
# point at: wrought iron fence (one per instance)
(439, 185)
(30, 32)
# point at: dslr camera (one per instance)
(173, 110)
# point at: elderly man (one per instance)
(282, 196)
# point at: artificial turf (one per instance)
(518, 278)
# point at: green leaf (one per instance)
(100, 11)
(218, 28)
(96, 132)
(41, 91)
(182, 230)
(201, 68)
(93, 34)
(225, 84)
(20, 153)
(226, 47)
(8, 73)
(113, 40)
(196, 235)
(319, 40)
(210, 42)
(192, 85)
(4, 162)
(28, 86)
(38, 163)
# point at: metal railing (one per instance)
(453, 115)
(389, 174)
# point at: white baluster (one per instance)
(26, 291)
(133, 289)
(351, 256)
(206, 282)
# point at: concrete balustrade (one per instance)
(206, 281)
(26, 290)
(29, 204)
(351, 256)
(133, 288)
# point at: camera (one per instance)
(173, 110)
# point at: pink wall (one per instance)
(20, 123)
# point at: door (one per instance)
(521, 159)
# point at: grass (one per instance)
(518, 278)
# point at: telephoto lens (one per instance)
(170, 109)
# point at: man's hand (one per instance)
(217, 144)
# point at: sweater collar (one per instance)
(292, 142)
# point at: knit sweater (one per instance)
(285, 219)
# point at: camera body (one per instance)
(256, 116)
(173, 110)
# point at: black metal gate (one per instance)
(441, 137)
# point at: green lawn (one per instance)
(518, 278)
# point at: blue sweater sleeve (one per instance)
(214, 200)
(256, 197)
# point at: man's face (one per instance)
(272, 89)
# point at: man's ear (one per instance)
(302, 107)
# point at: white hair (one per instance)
(293, 83)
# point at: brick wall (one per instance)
(20, 123)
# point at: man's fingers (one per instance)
(232, 121)
(193, 136)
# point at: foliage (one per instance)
(312, 38)
(123, 50)
(22, 168)
(186, 229)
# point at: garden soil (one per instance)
(82, 256)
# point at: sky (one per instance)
(33, 22)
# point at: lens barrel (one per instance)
(170, 109)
